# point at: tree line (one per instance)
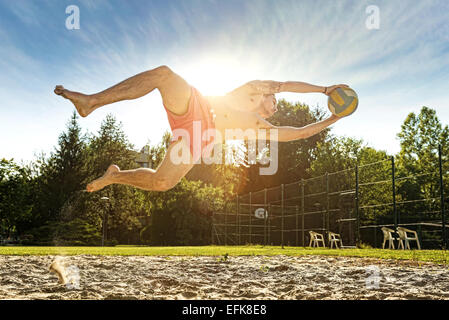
(44, 202)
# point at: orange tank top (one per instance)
(196, 125)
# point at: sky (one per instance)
(395, 56)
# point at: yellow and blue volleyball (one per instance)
(343, 102)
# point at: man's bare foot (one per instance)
(82, 102)
(105, 180)
(58, 268)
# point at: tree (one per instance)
(62, 174)
(336, 154)
(339, 157)
(419, 138)
(418, 166)
(126, 204)
(182, 215)
(15, 197)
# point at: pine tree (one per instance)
(63, 173)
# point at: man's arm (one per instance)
(304, 87)
(273, 87)
(286, 133)
(300, 87)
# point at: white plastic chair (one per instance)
(315, 239)
(404, 237)
(388, 236)
(335, 238)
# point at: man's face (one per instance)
(268, 106)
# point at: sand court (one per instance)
(242, 277)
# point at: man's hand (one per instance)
(266, 87)
(328, 90)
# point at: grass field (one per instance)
(434, 256)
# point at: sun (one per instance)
(217, 76)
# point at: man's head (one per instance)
(268, 106)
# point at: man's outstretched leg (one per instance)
(175, 91)
(165, 177)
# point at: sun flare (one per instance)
(217, 76)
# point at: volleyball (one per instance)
(343, 102)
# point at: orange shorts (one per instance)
(196, 126)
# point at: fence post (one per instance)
(269, 223)
(375, 236)
(443, 219)
(265, 217)
(250, 221)
(302, 211)
(297, 230)
(238, 219)
(226, 224)
(357, 211)
(327, 209)
(395, 214)
(212, 228)
(282, 216)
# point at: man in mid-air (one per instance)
(244, 108)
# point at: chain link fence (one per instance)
(355, 203)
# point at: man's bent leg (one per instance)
(165, 177)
